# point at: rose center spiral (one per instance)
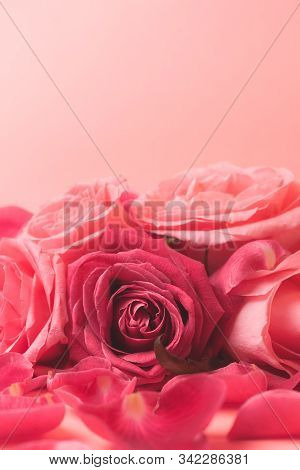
(137, 322)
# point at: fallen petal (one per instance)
(269, 415)
(28, 417)
(242, 381)
(171, 419)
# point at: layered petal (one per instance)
(260, 286)
(216, 209)
(92, 381)
(121, 302)
(251, 262)
(71, 224)
(14, 368)
(33, 310)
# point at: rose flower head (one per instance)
(133, 291)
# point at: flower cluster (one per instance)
(142, 316)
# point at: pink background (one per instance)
(150, 79)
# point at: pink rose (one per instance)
(12, 219)
(214, 210)
(32, 301)
(262, 283)
(77, 219)
(121, 302)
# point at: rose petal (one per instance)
(28, 417)
(169, 290)
(92, 381)
(277, 381)
(14, 368)
(272, 414)
(251, 261)
(12, 219)
(242, 381)
(172, 419)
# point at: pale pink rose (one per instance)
(33, 311)
(211, 211)
(263, 285)
(121, 301)
(12, 219)
(77, 218)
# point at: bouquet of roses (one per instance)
(142, 317)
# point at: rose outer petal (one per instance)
(14, 368)
(12, 219)
(252, 261)
(91, 382)
(277, 381)
(242, 381)
(270, 415)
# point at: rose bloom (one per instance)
(262, 283)
(211, 211)
(120, 302)
(32, 301)
(72, 223)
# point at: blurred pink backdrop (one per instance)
(149, 80)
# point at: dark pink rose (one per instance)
(33, 311)
(263, 284)
(121, 302)
(12, 219)
(215, 209)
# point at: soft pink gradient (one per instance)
(150, 81)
